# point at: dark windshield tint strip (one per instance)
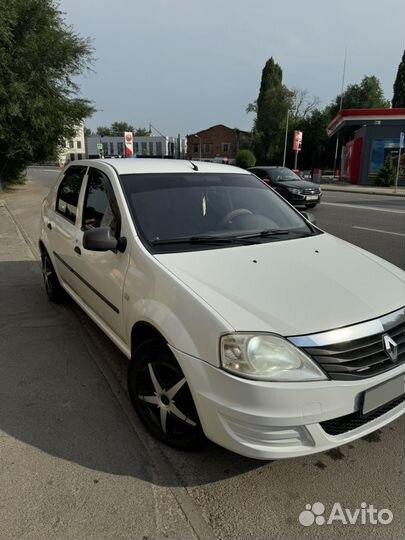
(137, 183)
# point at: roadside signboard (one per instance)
(99, 146)
(129, 144)
(297, 145)
(297, 141)
(401, 139)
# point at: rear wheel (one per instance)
(53, 288)
(161, 397)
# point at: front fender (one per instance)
(156, 296)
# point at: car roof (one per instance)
(150, 165)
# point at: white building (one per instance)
(75, 148)
(163, 147)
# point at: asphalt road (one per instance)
(373, 222)
(240, 498)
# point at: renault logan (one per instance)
(243, 322)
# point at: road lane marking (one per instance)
(364, 207)
(378, 230)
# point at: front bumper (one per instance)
(296, 199)
(264, 420)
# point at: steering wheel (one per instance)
(234, 214)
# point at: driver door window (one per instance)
(100, 206)
(68, 193)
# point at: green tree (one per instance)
(271, 107)
(368, 94)
(303, 104)
(399, 85)
(118, 128)
(386, 175)
(103, 131)
(245, 159)
(141, 132)
(402, 164)
(40, 105)
(317, 149)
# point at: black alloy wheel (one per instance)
(161, 397)
(53, 288)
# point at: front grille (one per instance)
(359, 358)
(311, 191)
(343, 424)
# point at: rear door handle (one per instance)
(77, 250)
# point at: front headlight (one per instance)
(267, 357)
(295, 191)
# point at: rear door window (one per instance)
(68, 193)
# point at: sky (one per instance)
(185, 65)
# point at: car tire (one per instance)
(311, 205)
(56, 293)
(161, 397)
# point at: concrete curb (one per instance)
(364, 191)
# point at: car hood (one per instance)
(291, 287)
(299, 184)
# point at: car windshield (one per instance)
(283, 175)
(203, 211)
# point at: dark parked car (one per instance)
(297, 191)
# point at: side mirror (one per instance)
(102, 239)
(310, 217)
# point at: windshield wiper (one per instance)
(273, 232)
(219, 240)
(267, 232)
(206, 239)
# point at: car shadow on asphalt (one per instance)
(55, 398)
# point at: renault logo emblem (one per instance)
(390, 347)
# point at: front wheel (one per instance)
(161, 397)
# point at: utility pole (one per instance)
(401, 145)
(285, 138)
(340, 108)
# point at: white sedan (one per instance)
(244, 322)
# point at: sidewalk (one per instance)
(71, 464)
(370, 190)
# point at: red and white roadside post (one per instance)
(297, 143)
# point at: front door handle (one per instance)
(49, 225)
(77, 250)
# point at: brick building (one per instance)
(217, 143)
